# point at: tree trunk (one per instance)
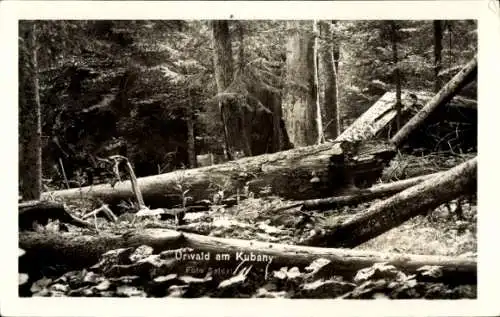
(278, 138)
(336, 60)
(438, 47)
(241, 48)
(392, 212)
(191, 150)
(299, 108)
(30, 127)
(319, 115)
(223, 66)
(51, 250)
(364, 195)
(288, 174)
(328, 80)
(245, 123)
(466, 75)
(396, 73)
(233, 118)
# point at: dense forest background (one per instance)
(163, 92)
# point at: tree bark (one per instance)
(50, 249)
(278, 138)
(233, 117)
(401, 207)
(316, 88)
(30, 127)
(245, 121)
(288, 174)
(438, 48)
(328, 69)
(299, 108)
(467, 74)
(336, 60)
(223, 66)
(241, 48)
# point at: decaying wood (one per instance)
(364, 195)
(449, 90)
(399, 208)
(40, 211)
(47, 249)
(382, 113)
(287, 174)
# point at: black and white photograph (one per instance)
(230, 158)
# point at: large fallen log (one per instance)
(468, 73)
(399, 208)
(307, 172)
(77, 252)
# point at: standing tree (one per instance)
(319, 116)
(328, 70)
(30, 128)
(233, 120)
(299, 108)
(438, 47)
(336, 104)
(223, 64)
(396, 74)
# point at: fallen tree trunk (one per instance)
(399, 208)
(377, 118)
(449, 90)
(40, 212)
(364, 195)
(289, 174)
(50, 249)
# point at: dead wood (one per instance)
(399, 208)
(47, 249)
(288, 174)
(466, 75)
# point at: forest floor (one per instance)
(439, 232)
